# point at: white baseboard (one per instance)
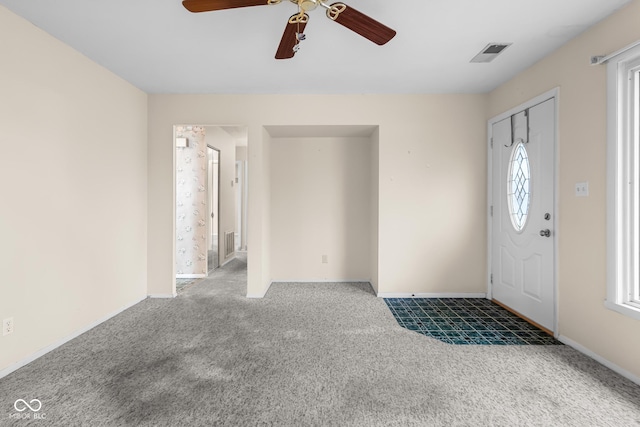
(262, 294)
(628, 375)
(228, 260)
(190, 276)
(173, 295)
(429, 295)
(323, 281)
(14, 367)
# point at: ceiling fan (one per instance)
(345, 15)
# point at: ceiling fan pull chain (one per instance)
(300, 19)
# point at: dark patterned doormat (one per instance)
(464, 321)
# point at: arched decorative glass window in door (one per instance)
(519, 186)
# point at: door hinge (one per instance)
(491, 279)
(491, 142)
(491, 211)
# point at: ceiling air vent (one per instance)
(490, 52)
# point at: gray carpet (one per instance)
(307, 354)
(183, 284)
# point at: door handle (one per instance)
(545, 233)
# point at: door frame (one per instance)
(209, 207)
(555, 95)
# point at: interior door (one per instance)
(522, 254)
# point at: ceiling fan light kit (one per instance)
(339, 12)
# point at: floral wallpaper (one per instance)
(191, 200)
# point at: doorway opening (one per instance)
(213, 203)
(208, 214)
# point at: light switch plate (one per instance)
(582, 189)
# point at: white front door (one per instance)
(522, 247)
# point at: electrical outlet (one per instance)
(7, 326)
(325, 259)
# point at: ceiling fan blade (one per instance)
(289, 39)
(360, 23)
(209, 5)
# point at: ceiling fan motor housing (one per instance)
(307, 5)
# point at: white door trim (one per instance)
(555, 95)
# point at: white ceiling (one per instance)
(160, 47)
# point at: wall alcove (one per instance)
(323, 203)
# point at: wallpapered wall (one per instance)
(191, 203)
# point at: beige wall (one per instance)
(582, 157)
(433, 196)
(74, 187)
(374, 209)
(432, 174)
(242, 153)
(320, 205)
(260, 279)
